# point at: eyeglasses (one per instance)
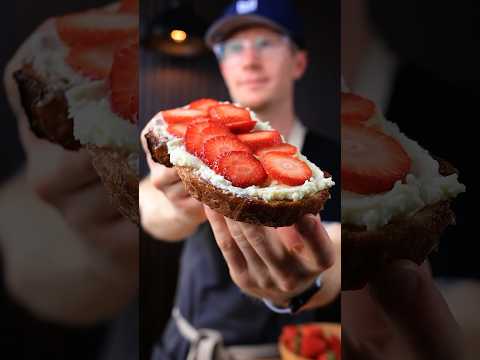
(233, 50)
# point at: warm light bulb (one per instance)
(178, 35)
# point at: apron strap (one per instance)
(207, 344)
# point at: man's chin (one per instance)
(255, 104)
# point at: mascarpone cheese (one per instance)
(47, 55)
(94, 121)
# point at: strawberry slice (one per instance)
(326, 356)
(371, 161)
(92, 62)
(285, 168)
(219, 145)
(356, 108)
(289, 332)
(229, 113)
(178, 129)
(312, 330)
(261, 139)
(124, 83)
(310, 347)
(95, 28)
(215, 129)
(283, 148)
(193, 136)
(129, 6)
(240, 127)
(336, 346)
(184, 115)
(241, 168)
(203, 104)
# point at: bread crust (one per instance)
(46, 109)
(250, 210)
(47, 112)
(413, 237)
(119, 178)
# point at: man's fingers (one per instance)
(175, 191)
(232, 254)
(58, 172)
(162, 176)
(89, 205)
(253, 260)
(411, 299)
(317, 241)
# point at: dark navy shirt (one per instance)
(207, 297)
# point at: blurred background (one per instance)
(24, 334)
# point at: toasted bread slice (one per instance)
(412, 237)
(47, 111)
(246, 209)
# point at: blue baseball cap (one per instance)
(279, 15)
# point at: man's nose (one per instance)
(251, 58)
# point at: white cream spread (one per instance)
(47, 55)
(423, 186)
(181, 157)
(94, 121)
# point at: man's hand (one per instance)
(276, 263)
(167, 211)
(400, 315)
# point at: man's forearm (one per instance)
(50, 270)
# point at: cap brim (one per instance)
(226, 26)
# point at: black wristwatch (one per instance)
(297, 301)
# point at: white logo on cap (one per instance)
(246, 6)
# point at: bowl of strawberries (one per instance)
(311, 341)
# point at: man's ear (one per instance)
(300, 64)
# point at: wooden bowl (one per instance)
(329, 328)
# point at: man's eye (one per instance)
(234, 48)
(264, 43)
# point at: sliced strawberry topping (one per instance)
(182, 115)
(356, 108)
(92, 62)
(203, 104)
(129, 6)
(124, 83)
(215, 129)
(336, 346)
(314, 330)
(325, 356)
(289, 331)
(371, 161)
(95, 28)
(241, 127)
(229, 113)
(178, 129)
(219, 145)
(283, 148)
(261, 139)
(241, 168)
(310, 347)
(194, 138)
(285, 168)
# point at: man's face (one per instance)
(259, 67)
